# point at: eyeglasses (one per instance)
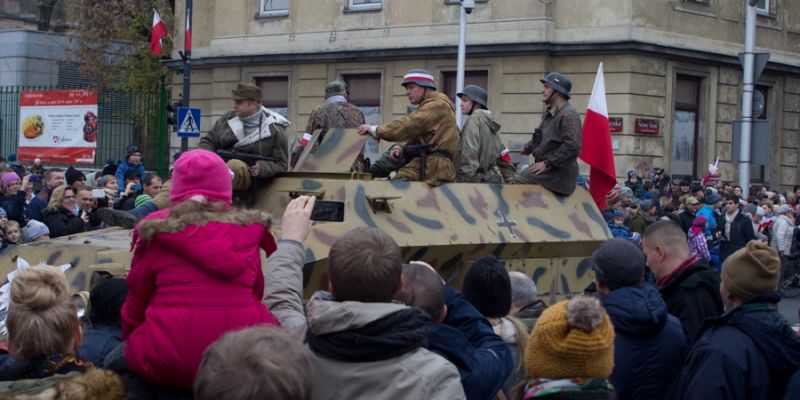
(69, 197)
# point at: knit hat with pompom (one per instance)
(571, 339)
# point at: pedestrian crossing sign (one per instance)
(189, 122)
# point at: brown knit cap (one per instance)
(751, 271)
(572, 338)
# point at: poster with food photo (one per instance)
(58, 126)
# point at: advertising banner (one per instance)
(58, 126)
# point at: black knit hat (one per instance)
(106, 300)
(618, 263)
(72, 175)
(131, 150)
(488, 287)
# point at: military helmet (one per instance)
(335, 87)
(476, 94)
(559, 83)
(419, 77)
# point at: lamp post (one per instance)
(747, 95)
(187, 65)
(466, 8)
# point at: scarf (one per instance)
(728, 222)
(335, 99)
(536, 388)
(42, 367)
(251, 123)
(391, 336)
(666, 279)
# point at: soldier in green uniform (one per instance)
(483, 157)
(556, 143)
(433, 124)
(250, 128)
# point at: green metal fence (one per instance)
(124, 118)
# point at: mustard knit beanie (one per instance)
(571, 339)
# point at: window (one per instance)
(459, 1)
(275, 93)
(762, 7)
(698, 1)
(480, 78)
(363, 5)
(685, 126)
(273, 8)
(364, 91)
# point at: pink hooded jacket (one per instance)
(185, 291)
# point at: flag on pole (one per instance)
(157, 35)
(305, 139)
(505, 155)
(596, 148)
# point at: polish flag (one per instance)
(596, 148)
(505, 155)
(157, 35)
(305, 139)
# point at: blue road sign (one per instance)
(188, 122)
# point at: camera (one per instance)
(98, 193)
(468, 5)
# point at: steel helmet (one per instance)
(559, 83)
(476, 94)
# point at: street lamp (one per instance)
(466, 8)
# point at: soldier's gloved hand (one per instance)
(254, 169)
(296, 222)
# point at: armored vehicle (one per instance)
(449, 226)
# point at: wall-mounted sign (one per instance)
(615, 123)
(647, 126)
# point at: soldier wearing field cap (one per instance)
(431, 129)
(250, 128)
(556, 143)
(483, 157)
(751, 351)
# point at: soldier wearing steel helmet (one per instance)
(483, 157)
(432, 128)
(556, 143)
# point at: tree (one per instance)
(112, 42)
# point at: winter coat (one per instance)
(621, 232)
(698, 244)
(640, 221)
(63, 222)
(98, 341)
(711, 217)
(559, 147)
(15, 207)
(95, 383)
(693, 296)
(637, 189)
(187, 288)
(335, 114)
(228, 134)
(749, 353)
(415, 374)
(686, 219)
(37, 204)
(649, 344)
(479, 160)
(782, 235)
(530, 313)
(122, 168)
(466, 339)
(741, 232)
(434, 122)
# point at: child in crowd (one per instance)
(12, 233)
(3, 219)
(617, 225)
(697, 238)
(35, 231)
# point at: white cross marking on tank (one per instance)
(506, 223)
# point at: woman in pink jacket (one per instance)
(195, 274)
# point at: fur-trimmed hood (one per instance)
(94, 384)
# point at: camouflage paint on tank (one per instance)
(449, 226)
(104, 251)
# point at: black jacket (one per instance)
(15, 207)
(693, 296)
(62, 222)
(686, 219)
(649, 345)
(741, 233)
(750, 353)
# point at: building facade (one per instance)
(673, 78)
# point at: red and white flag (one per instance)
(505, 155)
(305, 139)
(157, 35)
(596, 148)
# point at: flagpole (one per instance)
(187, 64)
